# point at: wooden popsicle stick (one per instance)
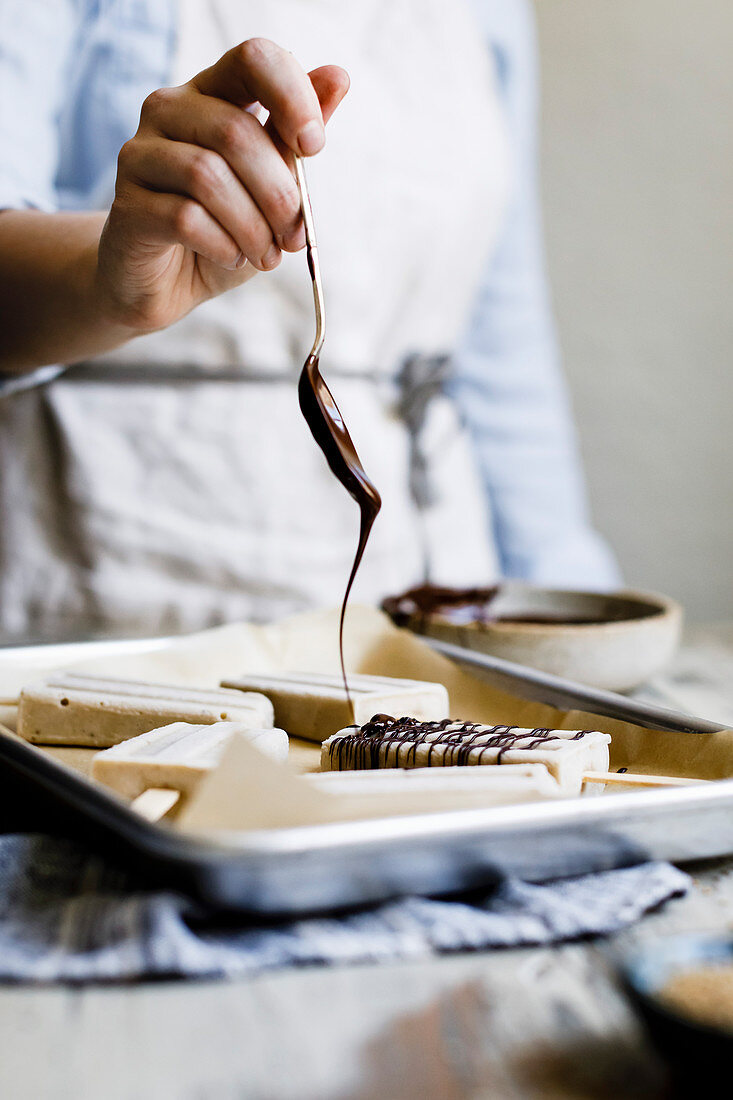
(632, 780)
(155, 803)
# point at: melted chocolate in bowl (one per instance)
(458, 605)
(327, 426)
(464, 606)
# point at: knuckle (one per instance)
(285, 203)
(156, 103)
(254, 51)
(259, 233)
(185, 218)
(206, 171)
(126, 155)
(233, 135)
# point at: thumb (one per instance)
(331, 84)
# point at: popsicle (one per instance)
(388, 742)
(429, 790)
(177, 756)
(75, 709)
(314, 705)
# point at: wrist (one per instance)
(57, 308)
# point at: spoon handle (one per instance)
(312, 255)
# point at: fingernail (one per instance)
(272, 257)
(241, 260)
(311, 138)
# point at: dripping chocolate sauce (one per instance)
(365, 747)
(327, 426)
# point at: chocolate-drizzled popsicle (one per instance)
(577, 759)
(388, 742)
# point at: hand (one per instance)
(205, 194)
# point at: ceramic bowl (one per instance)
(613, 641)
(699, 1053)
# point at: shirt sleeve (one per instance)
(36, 38)
(508, 384)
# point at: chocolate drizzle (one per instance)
(327, 426)
(461, 743)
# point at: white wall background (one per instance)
(637, 158)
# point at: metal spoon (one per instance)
(312, 255)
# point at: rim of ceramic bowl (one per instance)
(664, 607)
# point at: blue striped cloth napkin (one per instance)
(67, 917)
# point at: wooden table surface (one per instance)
(530, 1023)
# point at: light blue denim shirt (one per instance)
(73, 74)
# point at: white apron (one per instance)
(173, 503)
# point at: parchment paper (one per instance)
(373, 645)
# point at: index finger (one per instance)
(260, 71)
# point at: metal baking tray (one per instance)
(288, 872)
